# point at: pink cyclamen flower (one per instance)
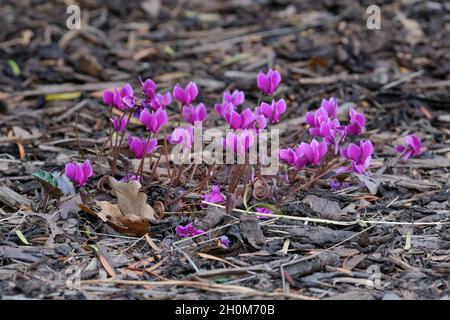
(188, 231)
(313, 152)
(186, 95)
(192, 114)
(335, 137)
(183, 136)
(272, 111)
(224, 241)
(78, 173)
(304, 154)
(314, 119)
(259, 124)
(330, 106)
(215, 196)
(121, 99)
(224, 108)
(239, 141)
(269, 82)
(154, 120)
(336, 185)
(264, 211)
(360, 156)
(412, 147)
(130, 177)
(288, 156)
(244, 120)
(325, 128)
(149, 88)
(235, 98)
(160, 100)
(139, 145)
(119, 123)
(357, 122)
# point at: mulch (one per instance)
(392, 239)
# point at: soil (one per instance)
(390, 238)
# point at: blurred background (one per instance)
(395, 71)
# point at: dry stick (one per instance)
(207, 286)
(327, 221)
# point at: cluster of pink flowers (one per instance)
(247, 123)
(324, 126)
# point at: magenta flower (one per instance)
(224, 108)
(187, 95)
(313, 152)
(215, 196)
(154, 120)
(236, 98)
(269, 82)
(138, 145)
(121, 99)
(239, 141)
(149, 88)
(263, 210)
(315, 119)
(259, 124)
(330, 106)
(336, 185)
(119, 123)
(79, 173)
(304, 154)
(130, 177)
(244, 120)
(224, 241)
(188, 231)
(412, 147)
(288, 156)
(182, 136)
(192, 114)
(360, 156)
(325, 128)
(272, 112)
(357, 122)
(160, 101)
(335, 137)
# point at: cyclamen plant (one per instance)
(332, 149)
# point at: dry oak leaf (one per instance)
(132, 214)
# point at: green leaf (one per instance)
(93, 247)
(221, 280)
(21, 236)
(49, 183)
(64, 183)
(14, 67)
